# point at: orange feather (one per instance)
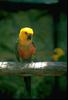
(25, 52)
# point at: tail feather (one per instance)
(27, 81)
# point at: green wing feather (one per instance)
(63, 58)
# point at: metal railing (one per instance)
(33, 68)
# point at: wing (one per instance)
(16, 51)
(63, 58)
(34, 57)
(33, 44)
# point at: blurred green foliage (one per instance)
(10, 24)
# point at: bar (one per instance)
(33, 68)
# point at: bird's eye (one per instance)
(26, 33)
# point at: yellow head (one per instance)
(58, 52)
(26, 34)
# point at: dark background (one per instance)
(48, 18)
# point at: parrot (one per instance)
(25, 49)
(58, 55)
(48, 86)
(60, 81)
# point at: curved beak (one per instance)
(29, 37)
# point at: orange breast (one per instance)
(26, 52)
